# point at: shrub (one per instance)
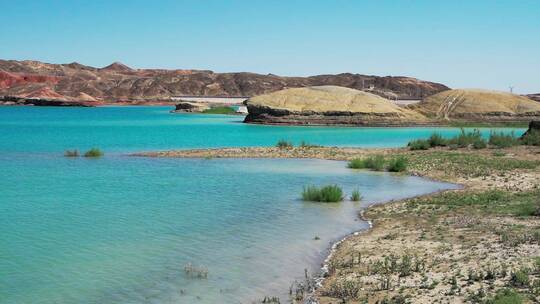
(501, 140)
(71, 153)
(375, 162)
(505, 296)
(326, 194)
(479, 143)
(283, 144)
(436, 140)
(398, 164)
(356, 163)
(419, 144)
(527, 208)
(532, 138)
(343, 289)
(94, 152)
(371, 162)
(465, 139)
(520, 278)
(356, 196)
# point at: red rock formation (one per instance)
(8, 79)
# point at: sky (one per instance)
(463, 44)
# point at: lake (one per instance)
(122, 229)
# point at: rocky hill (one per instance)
(478, 105)
(118, 82)
(328, 105)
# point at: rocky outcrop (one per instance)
(13, 100)
(44, 96)
(190, 107)
(328, 105)
(118, 82)
(534, 127)
(478, 105)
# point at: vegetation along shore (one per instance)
(479, 244)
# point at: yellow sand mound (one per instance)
(322, 99)
(472, 103)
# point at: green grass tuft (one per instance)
(283, 144)
(356, 196)
(419, 144)
(506, 296)
(501, 140)
(378, 163)
(532, 138)
(398, 164)
(520, 278)
(356, 163)
(436, 140)
(466, 139)
(475, 140)
(326, 194)
(94, 152)
(375, 163)
(479, 144)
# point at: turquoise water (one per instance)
(121, 129)
(120, 229)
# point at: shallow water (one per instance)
(120, 229)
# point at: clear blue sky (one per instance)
(467, 44)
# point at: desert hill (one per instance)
(119, 82)
(478, 105)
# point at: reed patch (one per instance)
(325, 194)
